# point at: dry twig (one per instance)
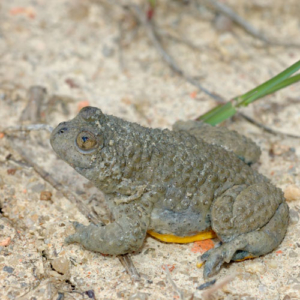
(31, 127)
(166, 57)
(174, 286)
(268, 129)
(217, 286)
(226, 10)
(36, 99)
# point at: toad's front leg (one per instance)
(124, 235)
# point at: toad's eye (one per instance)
(86, 141)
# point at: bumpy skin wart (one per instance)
(230, 140)
(172, 182)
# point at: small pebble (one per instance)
(79, 12)
(61, 265)
(293, 254)
(46, 195)
(255, 267)
(296, 287)
(36, 187)
(272, 264)
(5, 242)
(11, 171)
(223, 23)
(292, 193)
(262, 288)
(294, 216)
(149, 250)
(120, 294)
(90, 294)
(61, 296)
(107, 51)
(138, 296)
(8, 269)
(161, 283)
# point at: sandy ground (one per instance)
(91, 52)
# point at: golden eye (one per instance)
(86, 140)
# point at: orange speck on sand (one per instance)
(27, 11)
(193, 94)
(170, 267)
(1, 135)
(5, 242)
(83, 104)
(127, 101)
(104, 254)
(24, 191)
(202, 246)
(279, 252)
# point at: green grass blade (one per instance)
(263, 88)
(279, 86)
(218, 114)
(227, 110)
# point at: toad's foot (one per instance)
(215, 258)
(124, 235)
(252, 244)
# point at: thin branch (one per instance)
(229, 12)
(30, 127)
(120, 46)
(165, 56)
(37, 96)
(174, 286)
(208, 294)
(268, 129)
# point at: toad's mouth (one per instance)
(80, 169)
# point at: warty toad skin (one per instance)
(173, 182)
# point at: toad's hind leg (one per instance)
(250, 233)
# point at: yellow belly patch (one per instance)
(247, 257)
(169, 238)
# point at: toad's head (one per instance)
(80, 140)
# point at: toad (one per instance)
(182, 185)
